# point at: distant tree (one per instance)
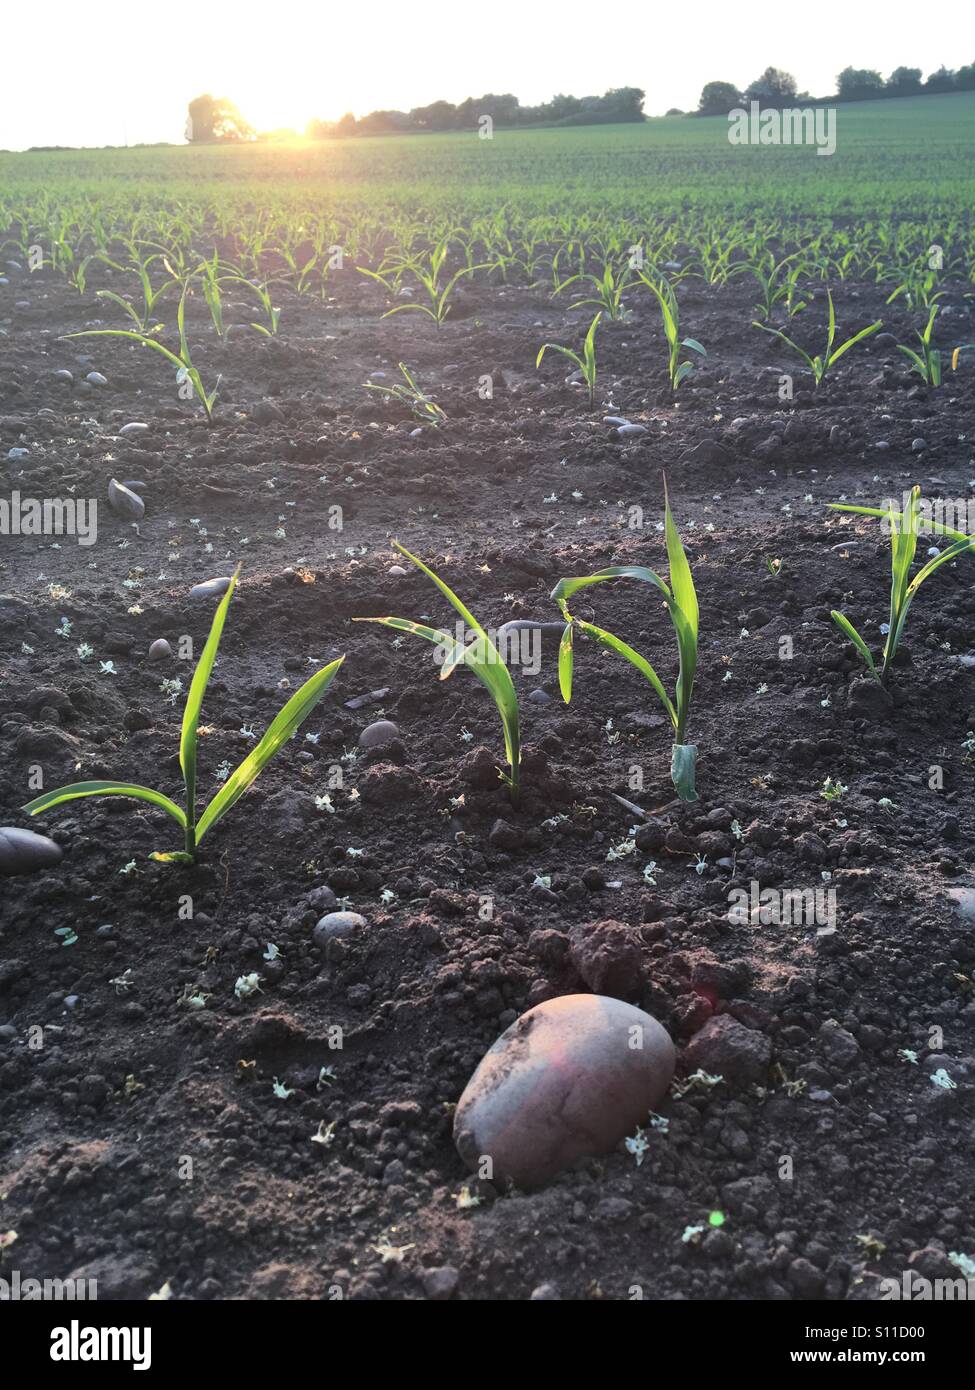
(941, 81)
(718, 98)
(561, 108)
(624, 104)
(773, 88)
(346, 125)
(503, 108)
(215, 118)
(904, 82)
(856, 84)
(383, 123)
(439, 115)
(674, 111)
(965, 78)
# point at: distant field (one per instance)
(911, 158)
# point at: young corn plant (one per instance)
(820, 365)
(927, 362)
(482, 657)
(290, 718)
(264, 295)
(682, 606)
(141, 317)
(429, 278)
(585, 361)
(904, 528)
(670, 313)
(607, 291)
(210, 283)
(185, 371)
(422, 407)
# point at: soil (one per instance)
(141, 1139)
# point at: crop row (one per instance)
(480, 654)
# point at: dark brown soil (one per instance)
(141, 1140)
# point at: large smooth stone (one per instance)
(24, 852)
(336, 925)
(124, 502)
(210, 588)
(569, 1079)
(375, 735)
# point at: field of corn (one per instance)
(671, 445)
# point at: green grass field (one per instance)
(913, 157)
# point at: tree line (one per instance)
(218, 119)
(778, 88)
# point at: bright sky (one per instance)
(123, 71)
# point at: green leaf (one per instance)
(616, 644)
(565, 588)
(76, 790)
(851, 342)
(934, 526)
(683, 765)
(566, 662)
(848, 630)
(481, 656)
(289, 718)
(194, 699)
(447, 592)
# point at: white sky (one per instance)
(122, 71)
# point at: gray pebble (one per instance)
(210, 588)
(375, 735)
(125, 503)
(336, 925)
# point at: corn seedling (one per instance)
(210, 283)
(289, 718)
(481, 656)
(918, 290)
(669, 312)
(586, 361)
(185, 371)
(421, 406)
(142, 318)
(608, 291)
(820, 365)
(273, 315)
(429, 278)
(927, 362)
(904, 528)
(682, 606)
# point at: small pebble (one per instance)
(210, 588)
(375, 735)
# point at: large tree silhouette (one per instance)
(215, 119)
